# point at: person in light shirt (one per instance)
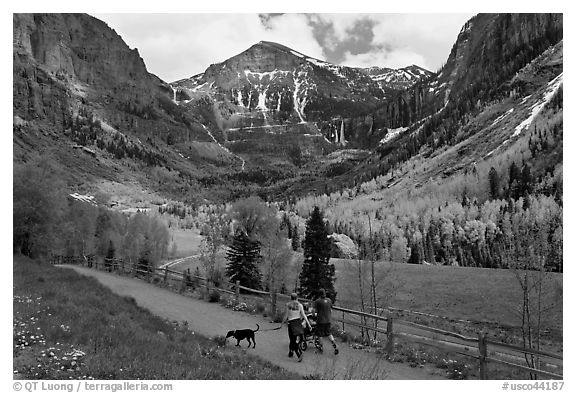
(294, 315)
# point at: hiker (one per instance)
(294, 315)
(323, 306)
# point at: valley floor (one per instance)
(211, 319)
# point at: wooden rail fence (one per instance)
(485, 351)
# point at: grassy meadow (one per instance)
(187, 241)
(475, 294)
(488, 298)
(67, 326)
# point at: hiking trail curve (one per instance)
(211, 319)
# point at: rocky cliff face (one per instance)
(76, 82)
(488, 51)
(65, 64)
(78, 53)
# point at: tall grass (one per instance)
(81, 330)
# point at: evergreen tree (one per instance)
(243, 257)
(514, 181)
(526, 181)
(494, 181)
(316, 272)
(295, 238)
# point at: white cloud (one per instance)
(176, 46)
(342, 22)
(294, 31)
(395, 59)
(422, 39)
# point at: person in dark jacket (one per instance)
(323, 307)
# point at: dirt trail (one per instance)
(210, 319)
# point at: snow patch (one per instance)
(262, 101)
(499, 118)
(262, 75)
(297, 54)
(239, 98)
(197, 88)
(83, 198)
(392, 133)
(318, 63)
(299, 104)
(553, 87)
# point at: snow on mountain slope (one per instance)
(270, 84)
(397, 79)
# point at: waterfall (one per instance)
(341, 139)
(279, 102)
(173, 94)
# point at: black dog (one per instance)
(242, 334)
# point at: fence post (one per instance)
(343, 329)
(389, 337)
(237, 291)
(483, 350)
(165, 274)
(183, 283)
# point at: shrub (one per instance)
(230, 302)
(455, 369)
(225, 300)
(278, 316)
(240, 307)
(346, 336)
(260, 307)
(220, 341)
(214, 296)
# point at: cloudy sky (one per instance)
(176, 46)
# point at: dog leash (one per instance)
(269, 330)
